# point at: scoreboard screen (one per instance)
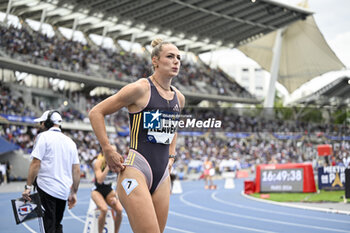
(288, 177)
(282, 180)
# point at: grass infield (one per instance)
(320, 196)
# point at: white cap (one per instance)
(55, 117)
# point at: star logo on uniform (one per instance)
(156, 115)
(152, 120)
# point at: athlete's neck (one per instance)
(161, 83)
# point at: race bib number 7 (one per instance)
(129, 185)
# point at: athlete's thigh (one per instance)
(137, 201)
(99, 200)
(161, 197)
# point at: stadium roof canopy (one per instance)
(305, 53)
(337, 93)
(193, 25)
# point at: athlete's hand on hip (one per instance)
(171, 162)
(114, 159)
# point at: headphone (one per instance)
(48, 123)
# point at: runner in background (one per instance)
(209, 172)
(103, 194)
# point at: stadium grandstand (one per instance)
(335, 94)
(70, 55)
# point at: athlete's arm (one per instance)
(172, 146)
(130, 96)
(100, 175)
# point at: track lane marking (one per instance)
(256, 218)
(28, 228)
(125, 215)
(330, 211)
(75, 217)
(179, 230)
(213, 195)
(218, 223)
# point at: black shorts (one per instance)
(104, 189)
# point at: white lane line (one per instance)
(213, 195)
(81, 218)
(297, 206)
(30, 229)
(125, 215)
(75, 217)
(257, 218)
(177, 229)
(69, 211)
(71, 217)
(218, 223)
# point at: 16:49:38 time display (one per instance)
(280, 175)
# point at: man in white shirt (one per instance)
(56, 165)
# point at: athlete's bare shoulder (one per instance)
(137, 94)
(138, 88)
(142, 85)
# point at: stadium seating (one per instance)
(29, 46)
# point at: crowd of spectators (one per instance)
(215, 146)
(250, 121)
(12, 104)
(259, 144)
(232, 121)
(30, 46)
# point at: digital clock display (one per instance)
(282, 180)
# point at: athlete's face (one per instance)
(169, 60)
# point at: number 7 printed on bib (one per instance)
(129, 185)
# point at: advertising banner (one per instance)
(331, 178)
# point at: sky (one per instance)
(333, 19)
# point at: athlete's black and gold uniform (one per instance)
(106, 186)
(151, 132)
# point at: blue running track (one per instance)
(200, 210)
